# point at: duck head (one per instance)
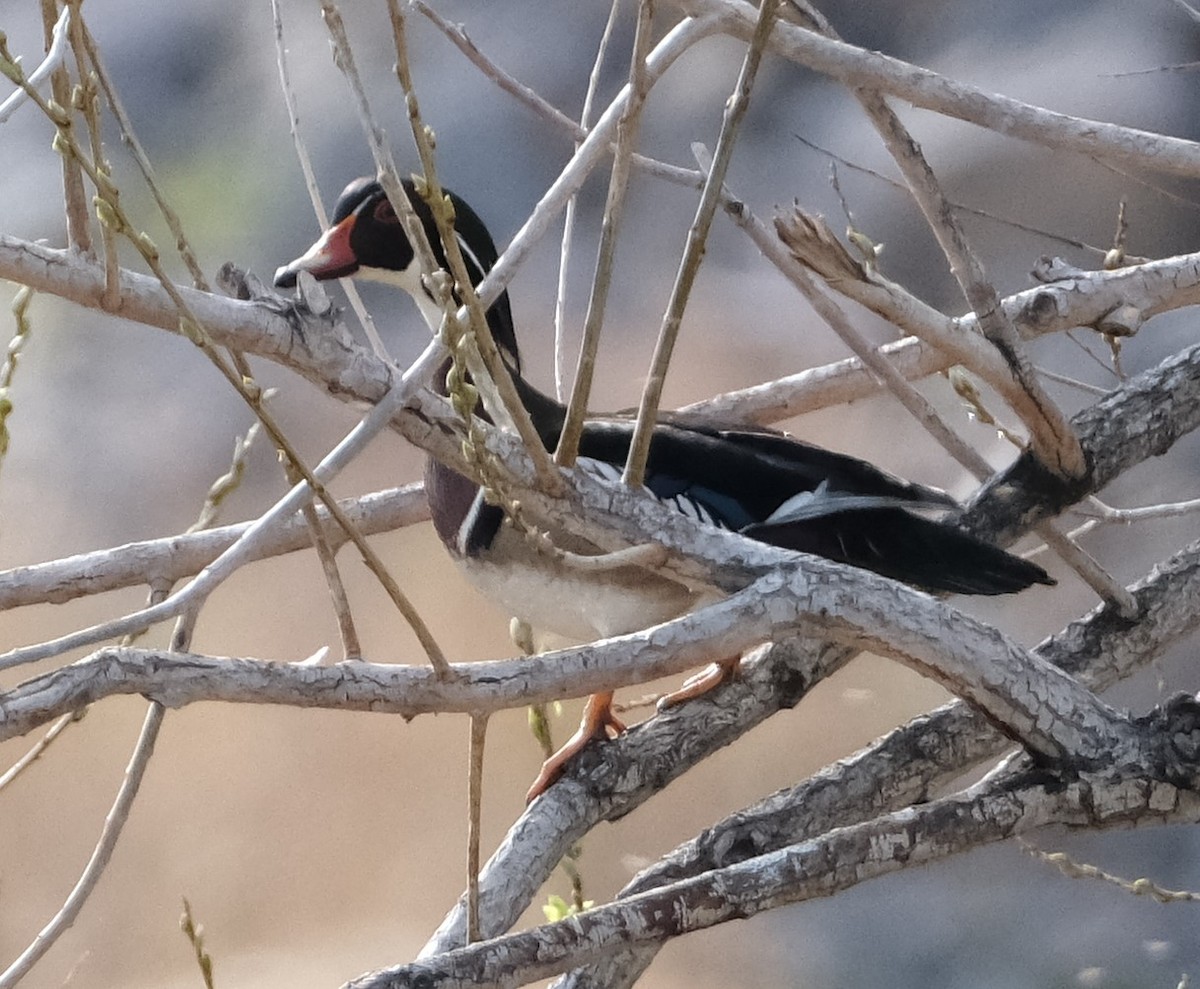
(366, 240)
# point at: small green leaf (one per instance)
(555, 908)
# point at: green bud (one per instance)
(21, 300)
(107, 215)
(62, 145)
(11, 70)
(58, 113)
(105, 186)
(147, 246)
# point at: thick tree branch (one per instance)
(987, 812)
(1141, 419)
(913, 761)
(614, 779)
(1046, 711)
(320, 349)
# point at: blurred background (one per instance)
(316, 845)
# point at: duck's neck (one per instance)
(453, 496)
(547, 414)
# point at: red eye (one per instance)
(384, 212)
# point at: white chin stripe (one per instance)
(410, 281)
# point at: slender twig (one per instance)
(564, 253)
(385, 164)
(573, 129)
(327, 557)
(628, 127)
(1086, 566)
(310, 182)
(1107, 368)
(1050, 435)
(982, 214)
(678, 40)
(1188, 9)
(697, 237)
(246, 545)
(55, 56)
(194, 933)
(12, 358)
(137, 152)
(1106, 513)
(1073, 869)
(509, 407)
(479, 724)
(1064, 379)
(85, 100)
(458, 36)
(75, 203)
(38, 748)
(114, 823)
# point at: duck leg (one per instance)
(598, 722)
(699, 684)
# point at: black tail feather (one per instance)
(896, 543)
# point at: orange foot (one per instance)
(701, 683)
(598, 722)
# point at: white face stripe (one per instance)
(470, 254)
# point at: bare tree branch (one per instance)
(855, 66)
(990, 811)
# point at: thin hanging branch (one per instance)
(564, 254)
(114, 824)
(310, 182)
(697, 237)
(628, 127)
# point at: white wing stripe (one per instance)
(693, 509)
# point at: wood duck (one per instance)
(752, 480)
